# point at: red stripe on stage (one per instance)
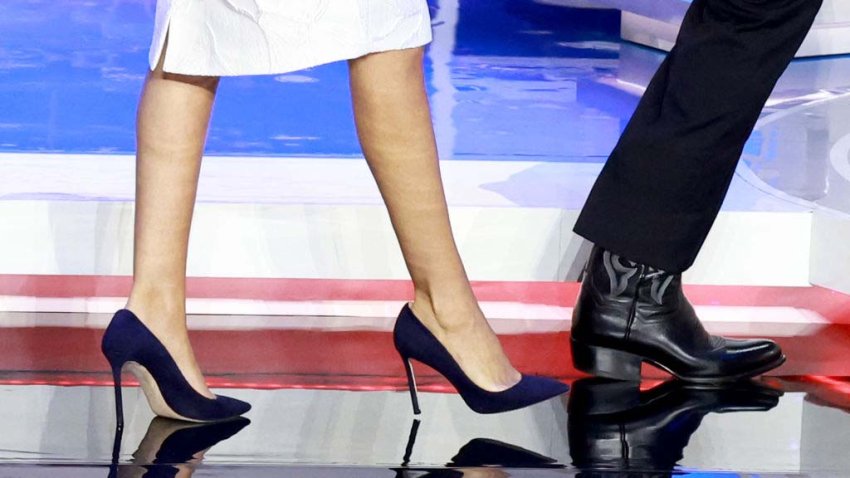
(345, 360)
(357, 360)
(832, 305)
(287, 290)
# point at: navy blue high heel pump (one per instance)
(129, 344)
(414, 341)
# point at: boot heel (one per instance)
(119, 400)
(411, 383)
(605, 362)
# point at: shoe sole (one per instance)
(724, 379)
(625, 366)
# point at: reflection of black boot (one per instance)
(169, 444)
(630, 313)
(616, 427)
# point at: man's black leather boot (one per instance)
(629, 313)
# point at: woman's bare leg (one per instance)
(173, 117)
(394, 125)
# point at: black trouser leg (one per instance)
(663, 185)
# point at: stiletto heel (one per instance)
(119, 399)
(116, 448)
(605, 362)
(128, 342)
(414, 341)
(411, 383)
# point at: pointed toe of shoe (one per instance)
(745, 358)
(544, 388)
(230, 407)
(533, 389)
(529, 391)
(756, 354)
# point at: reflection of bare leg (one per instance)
(484, 473)
(394, 126)
(173, 116)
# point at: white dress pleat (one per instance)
(260, 37)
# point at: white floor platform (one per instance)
(323, 218)
(655, 23)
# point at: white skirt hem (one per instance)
(206, 39)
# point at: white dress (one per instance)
(258, 37)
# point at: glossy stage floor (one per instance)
(294, 288)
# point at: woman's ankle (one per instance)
(164, 307)
(448, 311)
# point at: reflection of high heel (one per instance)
(411, 441)
(184, 441)
(485, 452)
(414, 341)
(128, 343)
(477, 454)
(405, 472)
(616, 426)
(170, 445)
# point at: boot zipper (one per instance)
(633, 308)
